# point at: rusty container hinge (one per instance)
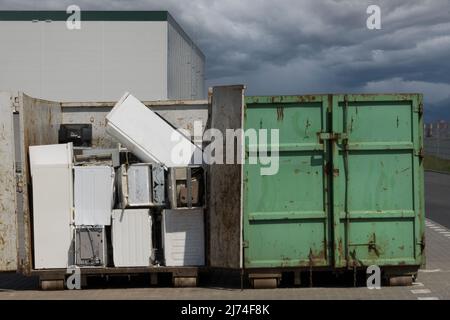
(333, 136)
(421, 243)
(420, 153)
(245, 244)
(419, 109)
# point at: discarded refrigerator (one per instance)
(141, 185)
(93, 193)
(90, 246)
(183, 237)
(51, 173)
(132, 238)
(148, 136)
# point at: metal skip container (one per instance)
(348, 189)
(26, 121)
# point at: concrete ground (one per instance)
(433, 282)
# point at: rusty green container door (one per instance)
(349, 188)
(378, 196)
(286, 216)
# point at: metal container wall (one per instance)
(349, 190)
(286, 216)
(24, 122)
(378, 188)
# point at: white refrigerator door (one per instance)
(93, 192)
(132, 237)
(183, 237)
(51, 172)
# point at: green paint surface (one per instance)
(352, 201)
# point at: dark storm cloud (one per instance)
(292, 47)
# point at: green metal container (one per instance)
(349, 190)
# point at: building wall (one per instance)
(186, 63)
(97, 63)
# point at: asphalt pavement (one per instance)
(437, 197)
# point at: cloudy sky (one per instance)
(303, 46)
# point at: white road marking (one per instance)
(418, 284)
(434, 227)
(440, 230)
(421, 291)
(445, 233)
(429, 270)
(427, 298)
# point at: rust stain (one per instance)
(296, 171)
(280, 113)
(422, 243)
(320, 255)
(327, 168)
(335, 172)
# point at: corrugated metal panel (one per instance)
(379, 191)
(131, 122)
(39, 122)
(183, 237)
(8, 229)
(186, 79)
(132, 237)
(349, 189)
(93, 195)
(286, 215)
(52, 205)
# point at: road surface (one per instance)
(437, 197)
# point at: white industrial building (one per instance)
(143, 52)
